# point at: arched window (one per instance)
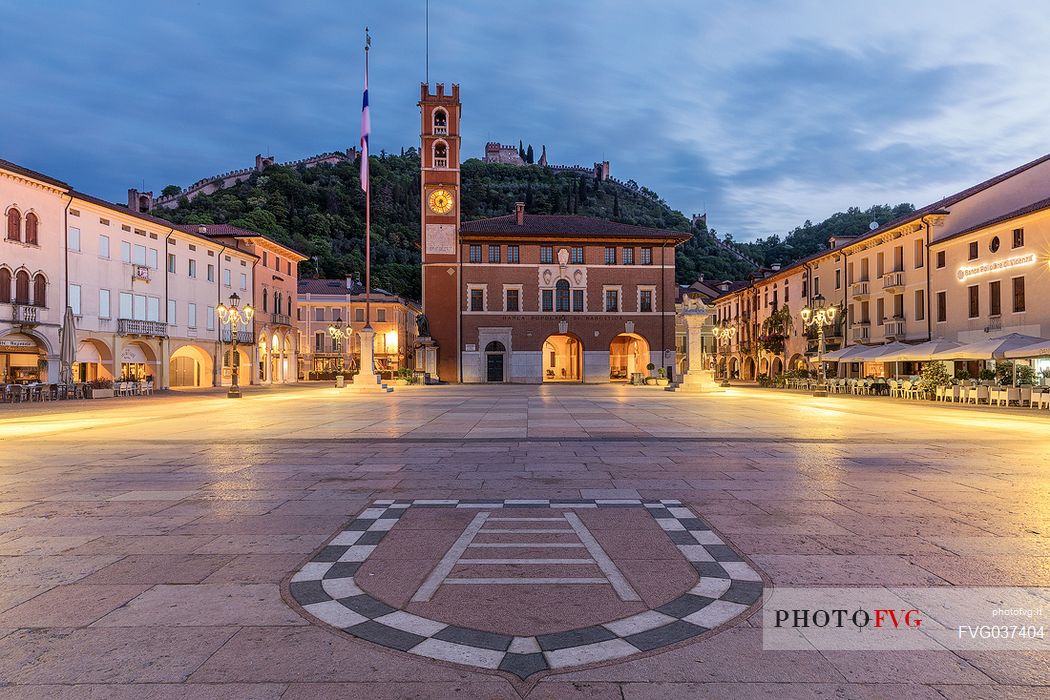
(495, 346)
(266, 294)
(277, 302)
(561, 295)
(31, 225)
(289, 306)
(5, 285)
(22, 287)
(14, 224)
(440, 155)
(39, 289)
(440, 121)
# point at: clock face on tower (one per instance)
(440, 201)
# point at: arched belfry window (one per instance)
(440, 121)
(31, 228)
(440, 155)
(561, 296)
(14, 224)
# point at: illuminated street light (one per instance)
(235, 316)
(820, 316)
(724, 337)
(338, 333)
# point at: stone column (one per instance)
(366, 377)
(697, 377)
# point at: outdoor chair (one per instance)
(1025, 397)
(998, 396)
(147, 388)
(1044, 399)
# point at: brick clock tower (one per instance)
(439, 195)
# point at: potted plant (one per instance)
(933, 375)
(986, 375)
(101, 388)
(651, 379)
(402, 377)
(661, 378)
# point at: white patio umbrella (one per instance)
(877, 353)
(1039, 349)
(68, 352)
(922, 351)
(990, 348)
(843, 354)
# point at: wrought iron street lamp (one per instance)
(820, 316)
(338, 333)
(235, 316)
(724, 336)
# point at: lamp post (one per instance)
(235, 316)
(338, 334)
(821, 316)
(724, 336)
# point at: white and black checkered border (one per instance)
(326, 590)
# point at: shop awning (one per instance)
(844, 354)
(877, 353)
(991, 348)
(1040, 349)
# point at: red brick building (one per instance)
(536, 298)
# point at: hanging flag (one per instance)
(366, 122)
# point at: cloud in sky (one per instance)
(764, 114)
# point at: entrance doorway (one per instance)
(562, 358)
(184, 372)
(495, 352)
(628, 356)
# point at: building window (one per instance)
(244, 281)
(381, 315)
(14, 225)
(995, 307)
(920, 304)
(209, 320)
(139, 257)
(1019, 305)
(628, 256)
(226, 278)
(612, 300)
(318, 342)
(513, 301)
(265, 261)
(880, 311)
(646, 256)
(39, 290)
(940, 259)
(561, 296)
(22, 287)
(74, 298)
(211, 273)
(547, 296)
(103, 303)
(103, 246)
(838, 281)
(477, 300)
(974, 251)
(645, 300)
(576, 255)
(31, 228)
(440, 121)
(577, 300)
(440, 155)
(171, 312)
(171, 262)
(975, 301)
(153, 255)
(546, 254)
(512, 254)
(475, 253)
(192, 270)
(191, 315)
(493, 253)
(942, 307)
(126, 309)
(610, 256)
(359, 314)
(73, 239)
(1018, 237)
(319, 313)
(266, 300)
(919, 256)
(816, 286)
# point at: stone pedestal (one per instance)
(367, 379)
(696, 379)
(427, 359)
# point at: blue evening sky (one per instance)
(764, 114)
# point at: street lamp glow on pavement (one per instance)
(235, 316)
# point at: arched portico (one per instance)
(190, 366)
(776, 367)
(562, 358)
(747, 368)
(628, 355)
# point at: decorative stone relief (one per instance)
(441, 239)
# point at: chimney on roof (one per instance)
(519, 213)
(775, 266)
(202, 230)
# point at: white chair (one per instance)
(1044, 399)
(147, 388)
(1025, 395)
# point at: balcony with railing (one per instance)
(27, 314)
(245, 336)
(893, 280)
(280, 320)
(895, 329)
(860, 290)
(130, 326)
(861, 331)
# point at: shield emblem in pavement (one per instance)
(526, 587)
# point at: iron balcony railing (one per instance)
(129, 326)
(280, 319)
(244, 336)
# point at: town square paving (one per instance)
(187, 546)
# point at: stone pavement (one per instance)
(143, 542)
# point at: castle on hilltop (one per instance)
(496, 152)
(144, 201)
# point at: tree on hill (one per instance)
(529, 154)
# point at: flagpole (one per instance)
(368, 211)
